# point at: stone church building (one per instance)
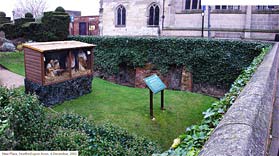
(186, 18)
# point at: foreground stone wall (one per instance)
(59, 92)
(245, 128)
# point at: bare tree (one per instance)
(36, 7)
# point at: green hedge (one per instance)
(10, 30)
(25, 125)
(38, 35)
(22, 21)
(3, 18)
(15, 30)
(22, 121)
(214, 62)
(54, 26)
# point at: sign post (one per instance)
(151, 104)
(162, 100)
(202, 14)
(155, 85)
(72, 19)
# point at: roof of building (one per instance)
(57, 45)
(73, 13)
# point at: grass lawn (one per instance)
(129, 107)
(14, 61)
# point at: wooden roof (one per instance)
(57, 45)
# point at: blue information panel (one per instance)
(154, 83)
(72, 19)
(203, 8)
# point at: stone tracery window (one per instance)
(154, 15)
(267, 7)
(192, 4)
(120, 16)
(227, 7)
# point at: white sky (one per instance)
(87, 7)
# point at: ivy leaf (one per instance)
(208, 113)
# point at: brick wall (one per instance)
(92, 25)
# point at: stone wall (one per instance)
(181, 22)
(59, 92)
(228, 21)
(2, 34)
(144, 72)
(177, 78)
(265, 21)
(245, 128)
(182, 32)
(209, 90)
(186, 80)
(136, 18)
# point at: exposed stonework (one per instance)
(209, 90)
(144, 72)
(6, 45)
(57, 93)
(2, 34)
(176, 78)
(186, 81)
(126, 76)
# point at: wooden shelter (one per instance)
(40, 56)
(58, 71)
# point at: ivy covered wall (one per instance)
(212, 62)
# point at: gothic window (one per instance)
(120, 16)
(227, 7)
(262, 7)
(154, 15)
(192, 4)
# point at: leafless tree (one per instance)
(36, 7)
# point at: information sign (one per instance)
(203, 8)
(154, 83)
(72, 19)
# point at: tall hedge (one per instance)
(3, 18)
(214, 62)
(54, 26)
(16, 30)
(22, 21)
(34, 31)
(10, 30)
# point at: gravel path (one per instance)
(10, 79)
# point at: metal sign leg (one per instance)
(151, 104)
(162, 100)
